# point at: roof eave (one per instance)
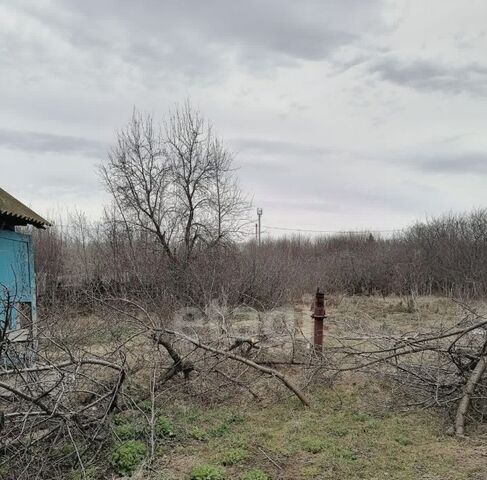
(38, 223)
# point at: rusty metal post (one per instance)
(319, 315)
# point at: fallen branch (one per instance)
(267, 370)
(179, 365)
(237, 382)
(464, 404)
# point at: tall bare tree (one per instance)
(176, 181)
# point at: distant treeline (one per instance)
(444, 256)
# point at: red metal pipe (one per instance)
(319, 314)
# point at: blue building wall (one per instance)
(17, 277)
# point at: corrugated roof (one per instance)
(16, 210)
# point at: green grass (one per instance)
(340, 437)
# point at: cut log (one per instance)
(469, 390)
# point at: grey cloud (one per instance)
(64, 186)
(313, 205)
(299, 185)
(75, 66)
(363, 196)
(343, 199)
(37, 142)
(431, 75)
(55, 175)
(311, 177)
(276, 147)
(449, 163)
(191, 37)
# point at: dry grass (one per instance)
(356, 429)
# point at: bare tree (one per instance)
(176, 182)
(138, 177)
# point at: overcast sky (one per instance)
(342, 114)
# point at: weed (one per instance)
(163, 428)
(207, 472)
(126, 458)
(405, 441)
(224, 428)
(145, 406)
(233, 456)
(360, 417)
(339, 430)
(198, 434)
(255, 474)
(127, 431)
(314, 445)
(346, 455)
(235, 418)
(219, 431)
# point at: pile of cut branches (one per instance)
(442, 367)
